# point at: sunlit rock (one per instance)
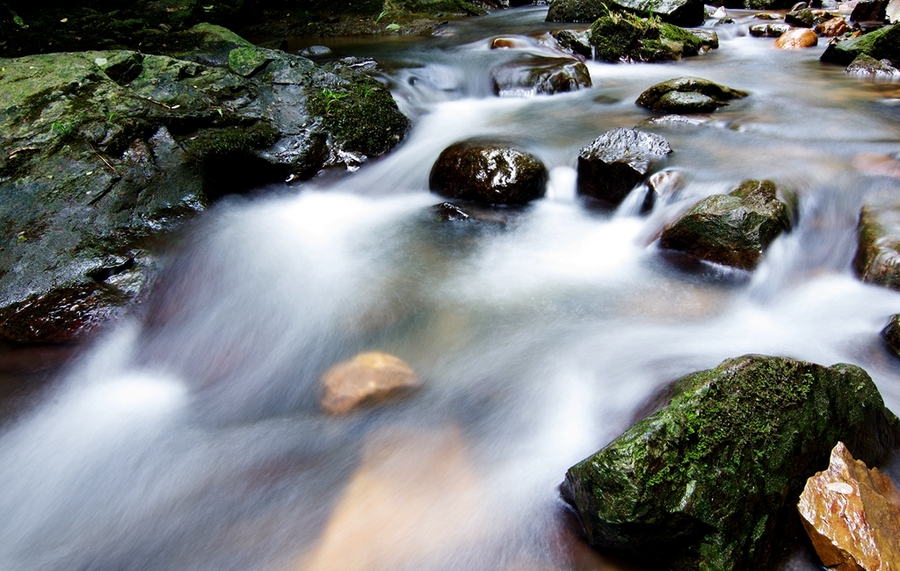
(711, 481)
(368, 377)
(852, 515)
(510, 43)
(688, 95)
(733, 229)
(488, 173)
(797, 38)
(611, 166)
(680, 12)
(834, 27)
(877, 257)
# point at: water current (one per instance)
(193, 438)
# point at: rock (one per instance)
(720, 13)
(892, 12)
(766, 16)
(709, 40)
(449, 212)
(852, 515)
(797, 38)
(891, 334)
(688, 95)
(105, 151)
(661, 187)
(869, 11)
(488, 173)
(877, 258)
(732, 229)
(316, 51)
(836, 26)
(866, 66)
(806, 18)
(768, 30)
(509, 43)
(880, 44)
(540, 76)
(759, 4)
(618, 37)
(616, 161)
(711, 480)
(368, 377)
(574, 42)
(679, 12)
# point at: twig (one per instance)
(103, 159)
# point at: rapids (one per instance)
(191, 437)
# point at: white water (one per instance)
(193, 438)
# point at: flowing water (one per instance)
(192, 438)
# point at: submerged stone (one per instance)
(852, 515)
(688, 95)
(711, 480)
(366, 378)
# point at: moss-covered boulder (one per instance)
(488, 173)
(865, 66)
(711, 481)
(624, 37)
(679, 12)
(880, 44)
(104, 151)
(877, 258)
(733, 229)
(688, 95)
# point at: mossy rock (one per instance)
(877, 258)
(623, 37)
(880, 44)
(679, 12)
(688, 95)
(711, 481)
(731, 229)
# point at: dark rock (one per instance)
(891, 334)
(449, 212)
(869, 11)
(540, 75)
(712, 480)
(574, 42)
(877, 258)
(806, 18)
(488, 173)
(732, 229)
(611, 166)
(880, 44)
(618, 37)
(688, 95)
(768, 30)
(866, 66)
(679, 12)
(316, 51)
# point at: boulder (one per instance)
(865, 66)
(731, 229)
(797, 38)
(616, 161)
(540, 75)
(869, 11)
(852, 515)
(574, 42)
(679, 12)
(711, 481)
(688, 95)
(768, 30)
(806, 17)
(891, 334)
(877, 258)
(366, 378)
(622, 37)
(105, 151)
(880, 44)
(836, 26)
(488, 173)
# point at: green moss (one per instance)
(691, 43)
(621, 36)
(246, 61)
(219, 142)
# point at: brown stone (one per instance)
(509, 43)
(797, 38)
(852, 515)
(368, 377)
(834, 27)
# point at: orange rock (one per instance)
(367, 377)
(797, 38)
(852, 515)
(834, 27)
(509, 43)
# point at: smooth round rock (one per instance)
(797, 38)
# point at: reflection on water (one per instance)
(192, 438)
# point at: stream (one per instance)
(193, 438)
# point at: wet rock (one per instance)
(732, 229)
(711, 481)
(709, 40)
(316, 51)
(540, 76)
(880, 44)
(621, 37)
(367, 378)
(661, 187)
(877, 258)
(891, 334)
(806, 18)
(869, 11)
(766, 16)
(852, 515)
(834, 27)
(574, 42)
(768, 30)
(449, 212)
(488, 173)
(611, 166)
(509, 43)
(866, 66)
(797, 38)
(688, 95)
(679, 12)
